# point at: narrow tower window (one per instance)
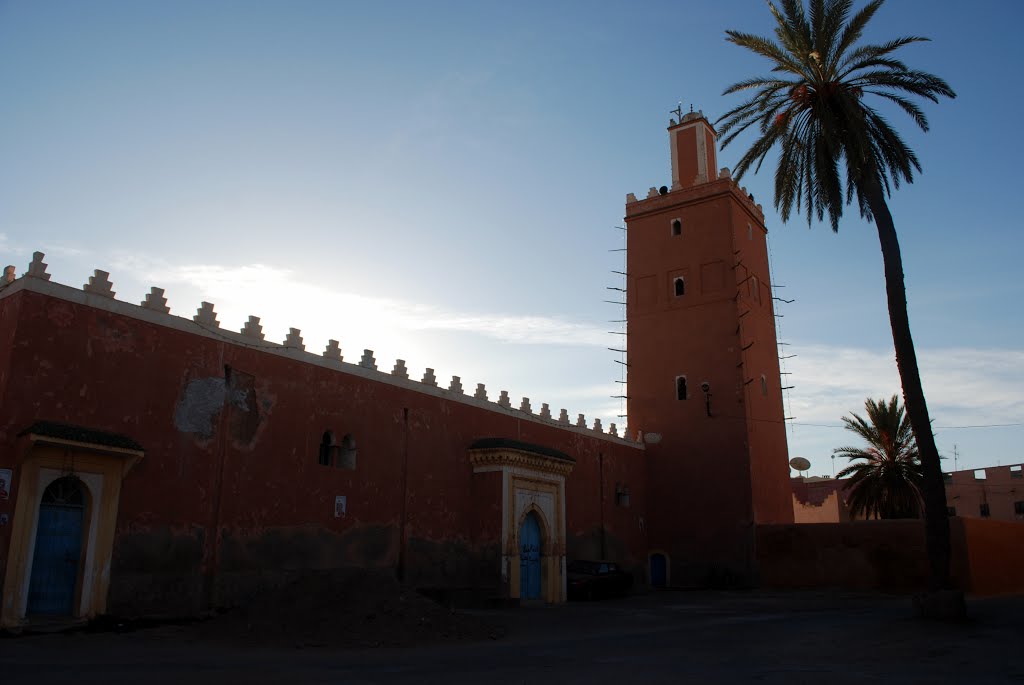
(327, 449)
(750, 232)
(680, 387)
(680, 286)
(754, 291)
(346, 458)
(764, 385)
(677, 226)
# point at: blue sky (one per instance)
(440, 182)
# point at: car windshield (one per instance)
(588, 567)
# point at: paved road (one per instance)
(820, 638)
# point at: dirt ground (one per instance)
(666, 637)
(348, 609)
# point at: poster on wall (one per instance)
(340, 506)
(5, 483)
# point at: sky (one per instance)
(441, 182)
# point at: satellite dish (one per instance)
(800, 464)
(652, 438)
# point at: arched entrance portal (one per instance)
(529, 557)
(58, 548)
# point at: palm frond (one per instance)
(885, 478)
(814, 108)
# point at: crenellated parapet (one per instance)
(333, 351)
(99, 292)
(294, 339)
(253, 329)
(156, 301)
(37, 268)
(658, 197)
(99, 284)
(204, 315)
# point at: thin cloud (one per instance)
(963, 386)
(277, 296)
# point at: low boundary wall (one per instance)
(890, 556)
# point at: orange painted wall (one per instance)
(831, 510)
(995, 556)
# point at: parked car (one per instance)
(595, 579)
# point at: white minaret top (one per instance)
(693, 143)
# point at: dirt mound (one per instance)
(351, 608)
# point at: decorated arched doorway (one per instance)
(58, 548)
(530, 546)
(529, 481)
(65, 517)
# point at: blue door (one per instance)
(529, 558)
(659, 570)
(51, 589)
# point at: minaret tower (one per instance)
(703, 370)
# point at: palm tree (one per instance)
(814, 107)
(886, 483)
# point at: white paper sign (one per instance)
(340, 506)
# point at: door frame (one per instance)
(101, 469)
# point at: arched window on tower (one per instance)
(680, 286)
(677, 226)
(680, 387)
(764, 385)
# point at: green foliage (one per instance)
(886, 482)
(814, 106)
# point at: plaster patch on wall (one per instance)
(199, 404)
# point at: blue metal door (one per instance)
(529, 558)
(51, 588)
(659, 570)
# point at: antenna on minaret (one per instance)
(678, 111)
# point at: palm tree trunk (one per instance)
(934, 490)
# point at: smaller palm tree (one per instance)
(886, 482)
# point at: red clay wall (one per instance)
(862, 555)
(9, 309)
(230, 495)
(705, 531)
(890, 555)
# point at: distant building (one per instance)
(993, 492)
(818, 499)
